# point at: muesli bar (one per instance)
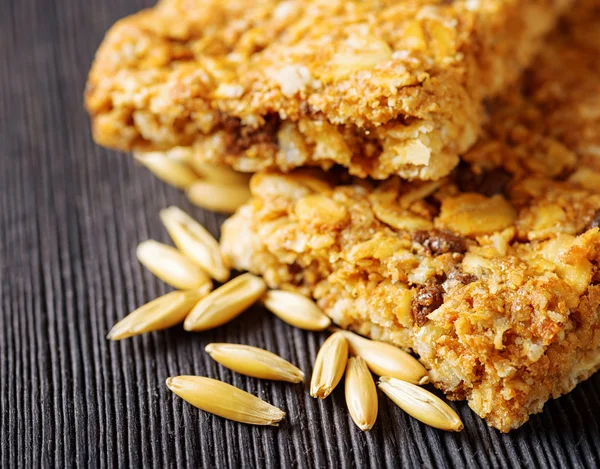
(492, 274)
(380, 87)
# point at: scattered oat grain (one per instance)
(195, 242)
(255, 362)
(296, 309)
(172, 267)
(226, 198)
(225, 303)
(170, 170)
(161, 313)
(387, 360)
(225, 400)
(361, 394)
(421, 404)
(329, 366)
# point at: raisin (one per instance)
(465, 179)
(457, 275)
(440, 242)
(265, 134)
(488, 183)
(487, 105)
(575, 317)
(493, 182)
(231, 125)
(427, 299)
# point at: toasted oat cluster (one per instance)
(492, 274)
(381, 87)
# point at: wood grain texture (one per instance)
(71, 215)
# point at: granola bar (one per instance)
(492, 274)
(381, 87)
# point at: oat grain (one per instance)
(224, 400)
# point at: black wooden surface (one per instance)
(71, 215)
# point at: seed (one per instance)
(329, 366)
(220, 174)
(255, 362)
(172, 267)
(161, 313)
(421, 404)
(361, 394)
(225, 303)
(296, 309)
(386, 360)
(195, 242)
(224, 198)
(170, 170)
(225, 400)
(181, 154)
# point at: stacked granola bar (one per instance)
(488, 269)
(382, 87)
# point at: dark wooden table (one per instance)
(71, 214)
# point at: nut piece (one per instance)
(442, 40)
(195, 242)
(225, 198)
(386, 360)
(291, 186)
(161, 313)
(296, 309)
(172, 267)
(474, 214)
(329, 366)
(543, 219)
(421, 404)
(401, 220)
(361, 394)
(225, 400)
(395, 210)
(402, 151)
(586, 178)
(170, 170)
(255, 362)
(355, 54)
(225, 303)
(572, 264)
(413, 35)
(318, 210)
